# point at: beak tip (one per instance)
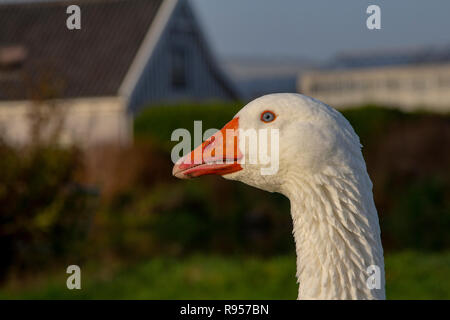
(177, 172)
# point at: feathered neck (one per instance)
(336, 233)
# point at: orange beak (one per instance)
(217, 155)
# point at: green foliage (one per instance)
(409, 275)
(420, 217)
(41, 209)
(158, 122)
(214, 215)
(369, 121)
(404, 154)
(142, 212)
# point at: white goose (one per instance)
(323, 173)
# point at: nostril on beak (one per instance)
(210, 141)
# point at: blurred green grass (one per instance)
(409, 275)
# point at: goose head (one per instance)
(271, 139)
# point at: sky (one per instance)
(318, 29)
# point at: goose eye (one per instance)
(267, 116)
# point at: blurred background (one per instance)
(86, 117)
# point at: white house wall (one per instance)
(411, 87)
(85, 121)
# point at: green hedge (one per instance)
(406, 156)
(50, 211)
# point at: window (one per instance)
(444, 81)
(418, 84)
(12, 57)
(392, 84)
(178, 68)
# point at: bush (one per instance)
(134, 208)
(42, 209)
(420, 217)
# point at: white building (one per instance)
(128, 54)
(409, 81)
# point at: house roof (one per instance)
(41, 58)
(393, 57)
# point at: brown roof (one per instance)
(40, 57)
